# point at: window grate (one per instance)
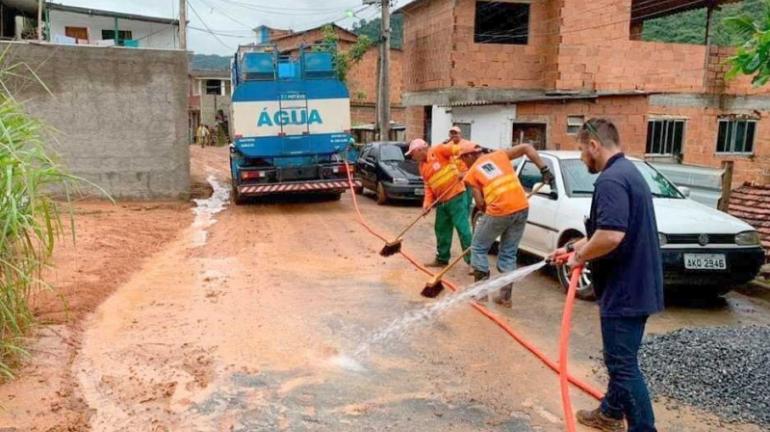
(665, 137)
(736, 136)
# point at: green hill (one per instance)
(372, 29)
(209, 62)
(690, 27)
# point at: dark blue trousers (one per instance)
(627, 393)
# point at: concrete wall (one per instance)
(149, 34)
(491, 126)
(120, 114)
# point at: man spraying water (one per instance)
(624, 254)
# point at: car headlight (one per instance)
(662, 239)
(747, 238)
(400, 180)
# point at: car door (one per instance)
(367, 165)
(540, 233)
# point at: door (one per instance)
(367, 167)
(540, 233)
(76, 32)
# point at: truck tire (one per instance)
(238, 199)
(382, 198)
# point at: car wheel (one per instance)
(382, 198)
(495, 248)
(585, 288)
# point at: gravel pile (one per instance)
(723, 370)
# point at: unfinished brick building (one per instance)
(533, 70)
(362, 76)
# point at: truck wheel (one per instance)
(382, 198)
(238, 199)
(335, 196)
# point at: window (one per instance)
(574, 123)
(665, 136)
(391, 153)
(123, 35)
(465, 128)
(736, 136)
(213, 87)
(501, 23)
(530, 175)
(579, 182)
(529, 133)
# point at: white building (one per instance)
(70, 25)
(491, 125)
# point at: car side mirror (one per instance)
(685, 191)
(544, 189)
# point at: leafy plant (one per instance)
(343, 60)
(753, 57)
(30, 219)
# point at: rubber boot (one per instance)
(479, 275)
(504, 298)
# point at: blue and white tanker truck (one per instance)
(290, 120)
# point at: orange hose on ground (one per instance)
(583, 386)
(566, 323)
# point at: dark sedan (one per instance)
(383, 168)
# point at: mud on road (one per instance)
(231, 322)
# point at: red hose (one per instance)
(560, 368)
(566, 323)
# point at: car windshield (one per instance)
(391, 153)
(579, 182)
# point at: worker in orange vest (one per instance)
(498, 193)
(456, 139)
(443, 182)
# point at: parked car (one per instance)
(383, 168)
(701, 247)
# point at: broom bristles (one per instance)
(391, 248)
(432, 289)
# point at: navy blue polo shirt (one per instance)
(629, 280)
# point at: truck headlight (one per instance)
(662, 239)
(400, 180)
(747, 238)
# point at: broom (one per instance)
(394, 247)
(434, 286)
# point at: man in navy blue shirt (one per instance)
(624, 253)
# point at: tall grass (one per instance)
(30, 219)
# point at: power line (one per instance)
(226, 15)
(192, 8)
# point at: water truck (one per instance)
(290, 120)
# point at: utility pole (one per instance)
(383, 94)
(183, 24)
(40, 20)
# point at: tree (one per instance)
(753, 57)
(343, 60)
(372, 29)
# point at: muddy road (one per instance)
(234, 324)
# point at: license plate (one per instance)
(705, 262)
(419, 192)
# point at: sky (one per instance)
(231, 21)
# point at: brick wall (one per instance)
(631, 113)
(362, 78)
(428, 35)
(367, 113)
(415, 122)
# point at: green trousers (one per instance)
(452, 215)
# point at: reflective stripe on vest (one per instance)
(500, 185)
(443, 178)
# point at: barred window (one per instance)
(665, 137)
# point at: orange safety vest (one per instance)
(440, 174)
(494, 175)
(455, 152)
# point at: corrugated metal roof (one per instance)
(112, 14)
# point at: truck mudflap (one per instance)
(299, 187)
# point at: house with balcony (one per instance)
(532, 71)
(209, 92)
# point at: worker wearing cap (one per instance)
(443, 183)
(500, 196)
(456, 139)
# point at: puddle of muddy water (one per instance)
(412, 320)
(206, 209)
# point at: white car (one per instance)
(700, 246)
